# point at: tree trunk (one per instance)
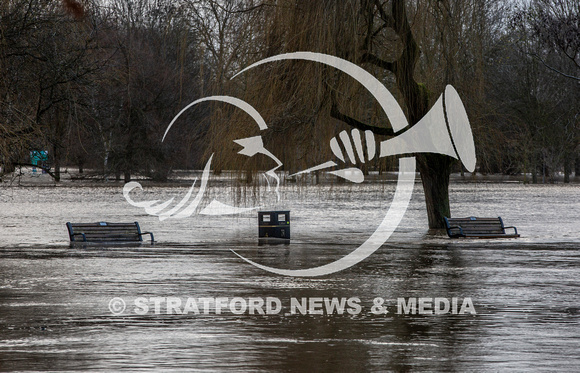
(577, 166)
(435, 170)
(81, 165)
(56, 157)
(8, 168)
(567, 168)
(534, 169)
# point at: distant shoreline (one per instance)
(182, 177)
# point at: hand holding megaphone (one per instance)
(443, 130)
(353, 174)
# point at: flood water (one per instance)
(55, 299)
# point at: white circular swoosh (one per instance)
(373, 85)
(405, 184)
(228, 99)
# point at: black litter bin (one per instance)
(274, 224)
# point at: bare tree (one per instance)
(548, 38)
(556, 25)
(45, 50)
(151, 58)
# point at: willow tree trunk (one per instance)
(435, 169)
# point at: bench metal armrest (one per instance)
(80, 234)
(456, 227)
(150, 234)
(514, 228)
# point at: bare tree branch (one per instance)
(337, 114)
(371, 58)
(388, 19)
(552, 68)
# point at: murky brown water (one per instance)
(54, 299)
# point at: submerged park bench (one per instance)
(104, 232)
(478, 228)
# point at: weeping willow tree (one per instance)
(305, 104)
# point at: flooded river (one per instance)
(189, 303)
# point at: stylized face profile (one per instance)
(251, 146)
(444, 130)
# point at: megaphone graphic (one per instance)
(443, 130)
